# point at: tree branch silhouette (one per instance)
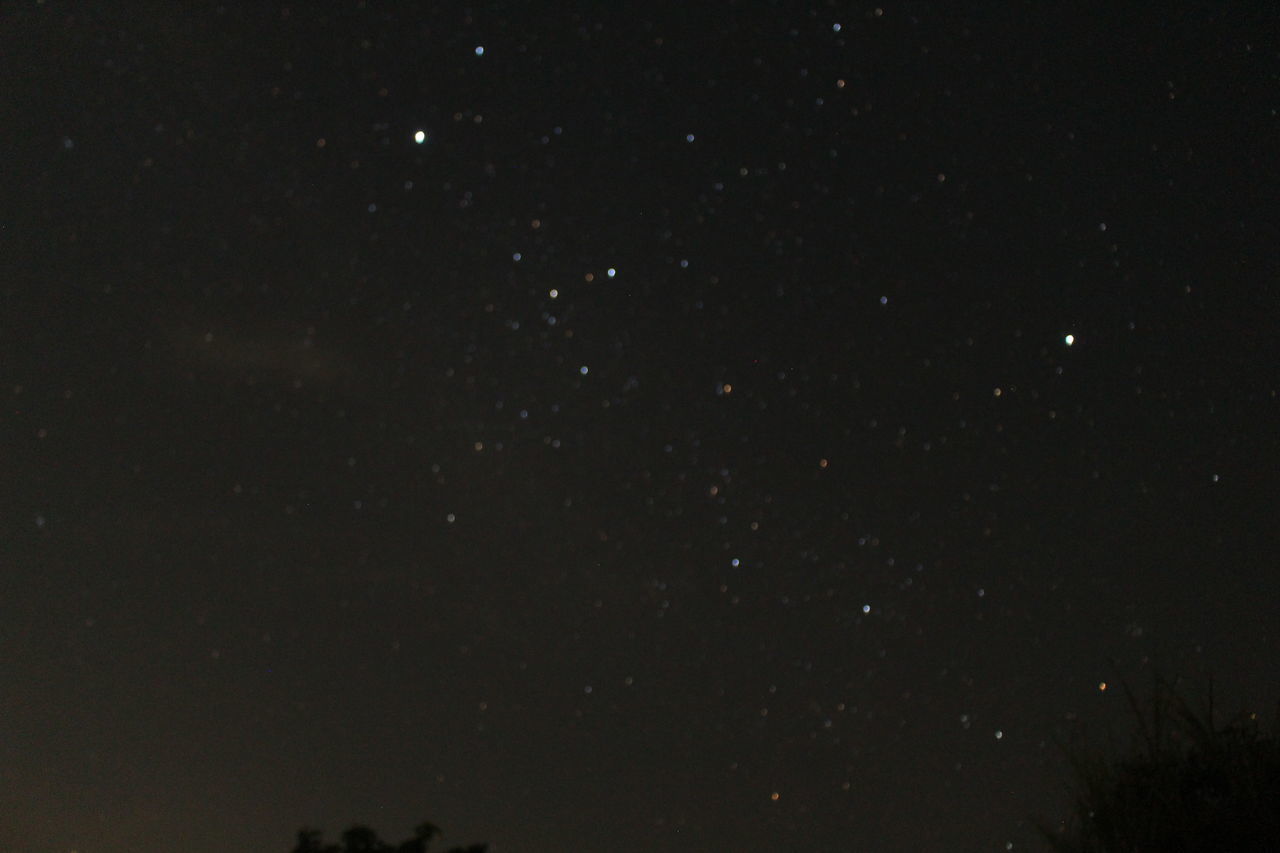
(362, 839)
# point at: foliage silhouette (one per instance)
(1185, 786)
(362, 839)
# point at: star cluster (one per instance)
(767, 427)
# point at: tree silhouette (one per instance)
(309, 842)
(362, 839)
(1185, 786)
(422, 835)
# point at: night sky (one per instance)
(622, 427)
